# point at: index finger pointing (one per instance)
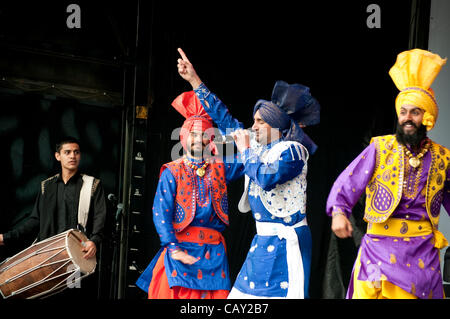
(183, 55)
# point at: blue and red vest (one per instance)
(185, 201)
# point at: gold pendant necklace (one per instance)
(414, 161)
(200, 171)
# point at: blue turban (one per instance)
(291, 105)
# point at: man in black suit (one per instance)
(67, 200)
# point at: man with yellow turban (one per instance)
(406, 177)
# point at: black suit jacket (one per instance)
(42, 222)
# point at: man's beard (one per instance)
(198, 153)
(413, 139)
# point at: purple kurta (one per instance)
(410, 263)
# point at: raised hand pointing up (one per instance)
(187, 71)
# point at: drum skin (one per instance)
(46, 267)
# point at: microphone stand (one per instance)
(115, 256)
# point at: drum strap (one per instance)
(85, 200)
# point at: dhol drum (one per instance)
(46, 267)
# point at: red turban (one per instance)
(188, 105)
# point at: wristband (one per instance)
(338, 213)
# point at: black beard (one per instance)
(196, 153)
(412, 140)
(200, 153)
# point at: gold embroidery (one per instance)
(423, 192)
(439, 179)
(386, 175)
(389, 145)
(441, 165)
(95, 185)
(44, 183)
(421, 264)
(389, 159)
(411, 180)
(392, 259)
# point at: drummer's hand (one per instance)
(187, 71)
(183, 257)
(1, 240)
(90, 249)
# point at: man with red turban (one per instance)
(190, 211)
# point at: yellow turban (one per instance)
(413, 73)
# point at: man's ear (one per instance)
(58, 156)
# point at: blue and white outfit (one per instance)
(279, 260)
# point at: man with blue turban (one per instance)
(274, 159)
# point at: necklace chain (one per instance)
(200, 171)
(415, 161)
